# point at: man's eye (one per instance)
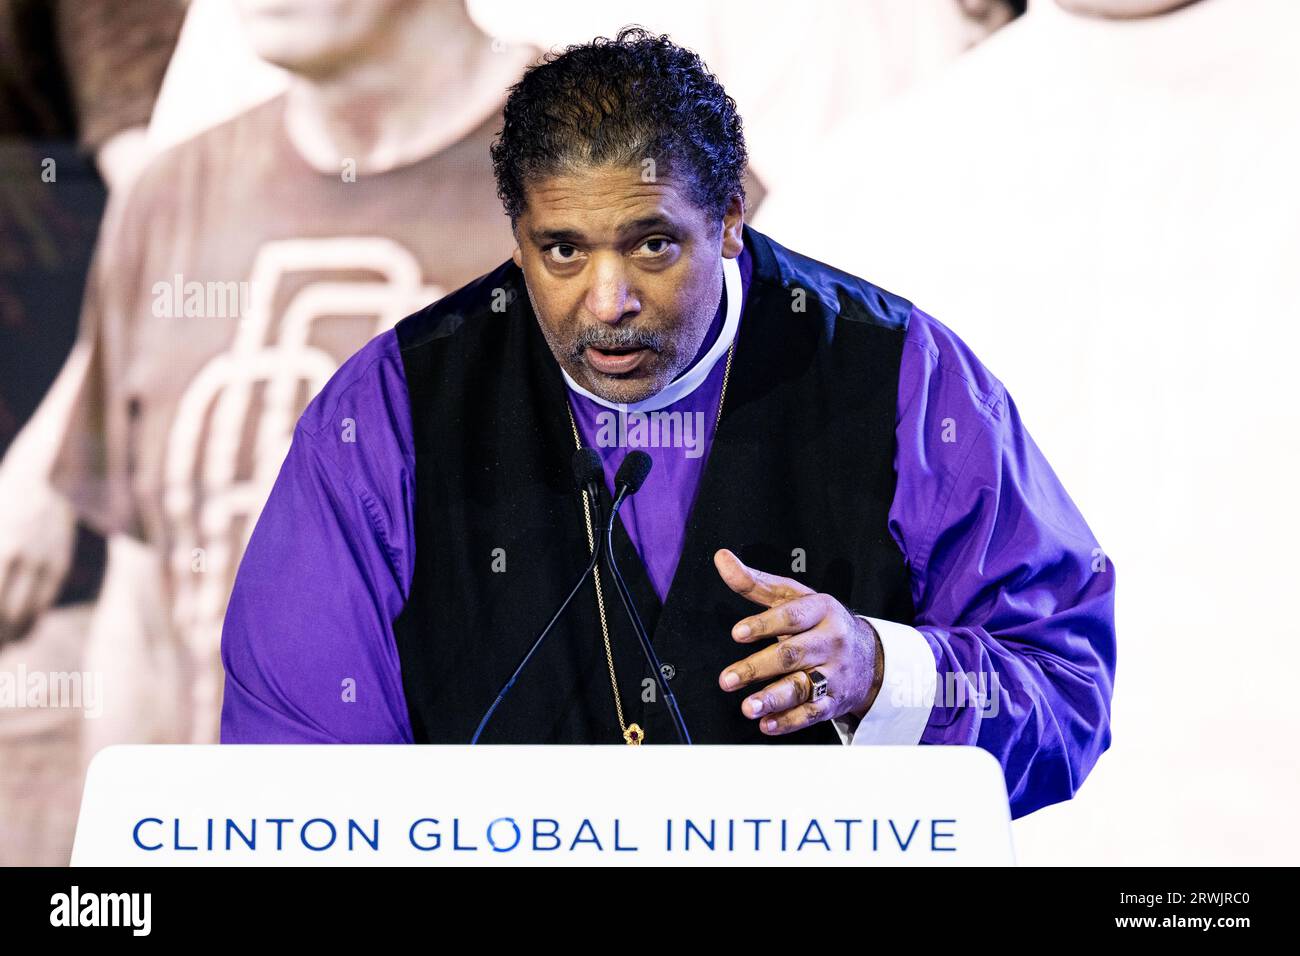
(655, 247)
(560, 252)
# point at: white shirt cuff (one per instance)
(902, 708)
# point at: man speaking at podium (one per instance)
(845, 534)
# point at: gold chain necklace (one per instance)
(632, 733)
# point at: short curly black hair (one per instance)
(621, 101)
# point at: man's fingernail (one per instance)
(743, 630)
(730, 680)
(755, 706)
(770, 724)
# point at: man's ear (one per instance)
(733, 220)
(518, 257)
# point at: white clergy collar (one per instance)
(693, 377)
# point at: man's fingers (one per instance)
(790, 691)
(46, 590)
(13, 585)
(22, 598)
(793, 617)
(776, 660)
(797, 718)
(757, 586)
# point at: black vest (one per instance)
(801, 465)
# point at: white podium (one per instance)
(533, 805)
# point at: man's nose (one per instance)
(610, 297)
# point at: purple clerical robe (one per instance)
(1012, 648)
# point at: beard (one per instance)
(667, 356)
(669, 351)
(665, 359)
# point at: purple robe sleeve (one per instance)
(307, 643)
(1012, 592)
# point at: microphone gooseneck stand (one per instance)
(587, 471)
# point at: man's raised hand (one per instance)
(814, 633)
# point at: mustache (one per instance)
(624, 338)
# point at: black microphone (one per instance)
(627, 482)
(632, 474)
(588, 475)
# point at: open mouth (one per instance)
(616, 361)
